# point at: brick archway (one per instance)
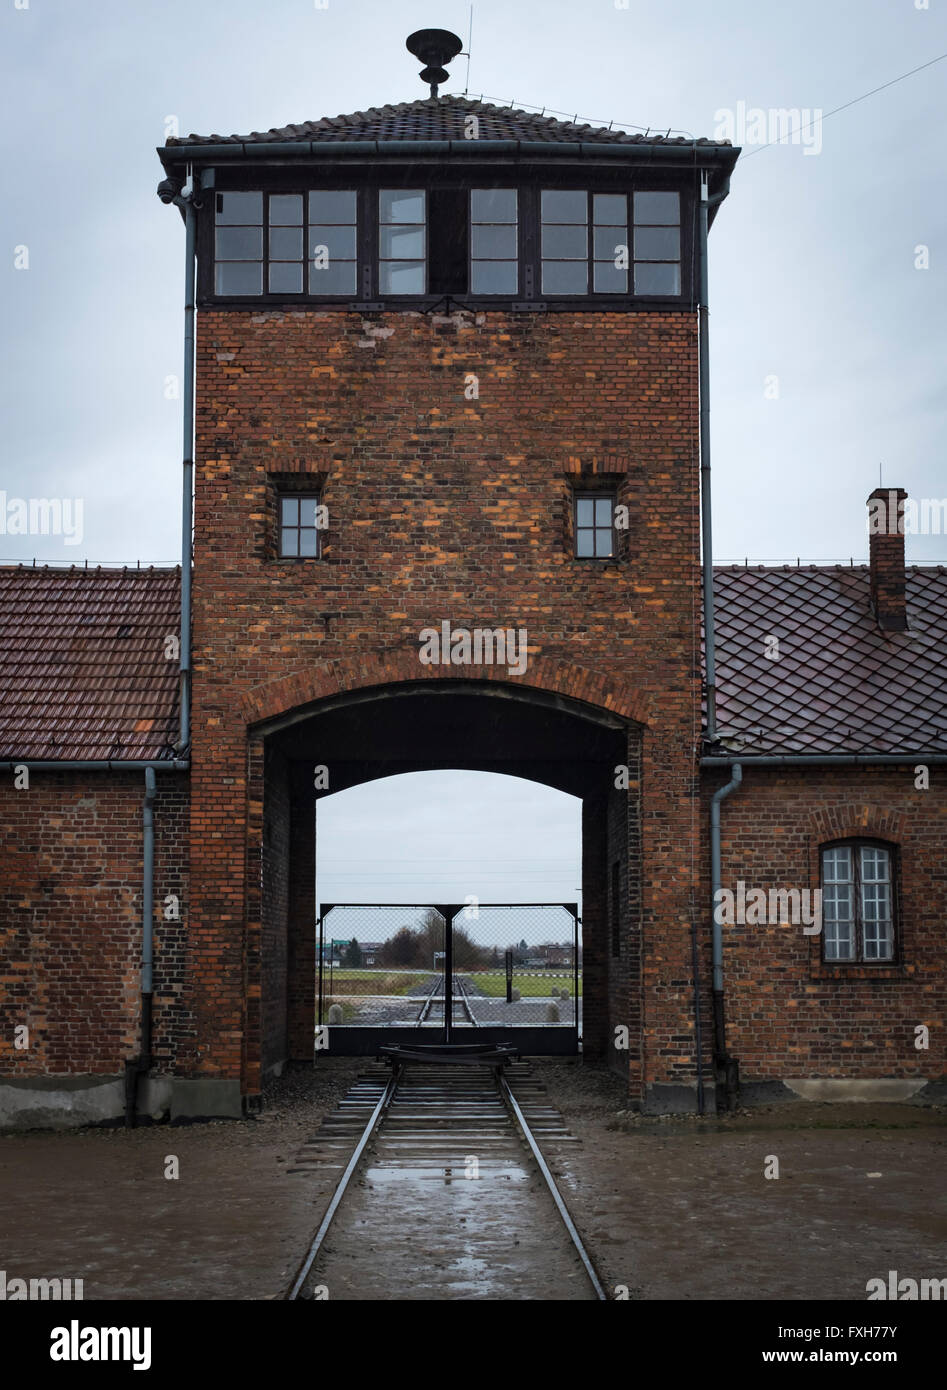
(372, 669)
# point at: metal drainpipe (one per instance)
(707, 555)
(706, 520)
(185, 201)
(139, 1066)
(723, 1062)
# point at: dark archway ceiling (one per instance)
(410, 729)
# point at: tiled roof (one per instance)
(440, 118)
(83, 671)
(839, 684)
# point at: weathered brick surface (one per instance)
(71, 926)
(790, 1015)
(440, 507)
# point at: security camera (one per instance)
(168, 189)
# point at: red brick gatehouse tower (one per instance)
(448, 372)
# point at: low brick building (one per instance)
(449, 383)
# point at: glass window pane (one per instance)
(401, 277)
(494, 277)
(837, 864)
(874, 864)
(565, 277)
(603, 511)
(603, 542)
(285, 277)
(566, 242)
(338, 277)
(655, 208)
(608, 279)
(400, 205)
(239, 243)
(338, 241)
(585, 511)
(585, 542)
(286, 210)
(289, 542)
(559, 206)
(239, 207)
(307, 510)
(401, 243)
(607, 242)
(493, 205)
(289, 511)
(332, 205)
(654, 278)
(610, 209)
(238, 277)
(308, 542)
(286, 243)
(657, 243)
(499, 243)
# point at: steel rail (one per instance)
(426, 1006)
(340, 1188)
(514, 1107)
(463, 994)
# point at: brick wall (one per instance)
(71, 850)
(440, 507)
(790, 1015)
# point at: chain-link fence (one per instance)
(510, 964)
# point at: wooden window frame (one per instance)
(287, 494)
(601, 494)
(366, 185)
(860, 961)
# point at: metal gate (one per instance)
(395, 972)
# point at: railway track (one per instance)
(435, 996)
(450, 1160)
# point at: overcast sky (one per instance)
(827, 342)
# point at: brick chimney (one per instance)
(886, 557)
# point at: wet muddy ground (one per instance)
(673, 1208)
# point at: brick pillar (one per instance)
(594, 928)
(886, 557)
(302, 982)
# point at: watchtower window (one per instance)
(657, 243)
(238, 243)
(285, 268)
(402, 241)
(494, 249)
(333, 241)
(565, 241)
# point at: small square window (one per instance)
(595, 526)
(300, 521)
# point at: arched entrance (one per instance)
(302, 754)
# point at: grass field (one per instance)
(376, 982)
(493, 983)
